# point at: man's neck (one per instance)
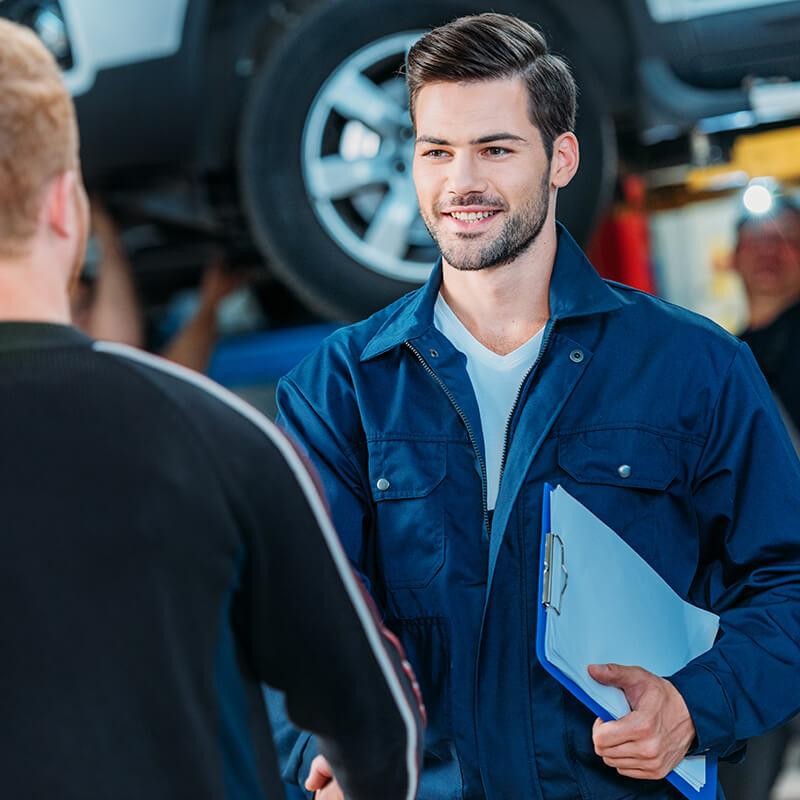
(765, 309)
(28, 294)
(503, 307)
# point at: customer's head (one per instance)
(493, 113)
(43, 208)
(767, 253)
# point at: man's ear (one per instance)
(58, 206)
(566, 157)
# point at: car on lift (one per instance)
(284, 125)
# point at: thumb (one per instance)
(615, 675)
(319, 775)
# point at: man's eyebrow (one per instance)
(501, 136)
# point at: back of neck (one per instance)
(31, 295)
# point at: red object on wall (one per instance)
(620, 247)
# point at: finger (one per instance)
(616, 675)
(319, 775)
(633, 727)
(645, 749)
(330, 792)
(321, 764)
(316, 781)
(643, 774)
(647, 764)
(638, 739)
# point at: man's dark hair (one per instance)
(489, 47)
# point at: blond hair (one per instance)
(38, 133)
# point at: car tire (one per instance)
(344, 256)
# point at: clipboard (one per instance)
(550, 542)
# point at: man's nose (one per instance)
(466, 176)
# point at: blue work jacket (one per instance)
(387, 413)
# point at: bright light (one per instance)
(758, 199)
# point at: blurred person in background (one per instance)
(193, 345)
(105, 304)
(767, 257)
(164, 549)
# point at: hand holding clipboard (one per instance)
(637, 620)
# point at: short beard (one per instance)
(518, 233)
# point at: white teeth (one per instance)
(471, 216)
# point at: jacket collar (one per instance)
(16, 335)
(576, 290)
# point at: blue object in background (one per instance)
(263, 358)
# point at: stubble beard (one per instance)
(520, 230)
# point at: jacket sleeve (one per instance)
(314, 635)
(747, 504)
(337, 465)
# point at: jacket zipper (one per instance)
(427, 367)
(507, 434)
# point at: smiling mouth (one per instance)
(471, 216)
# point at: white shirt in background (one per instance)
(496, 380)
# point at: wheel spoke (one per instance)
(333, 177)
(356, 97)
(390, 228)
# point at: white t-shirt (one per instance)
(495, 379)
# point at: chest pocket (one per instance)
(406, 478)
(625, 457)
(622, 476)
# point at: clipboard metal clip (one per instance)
(547, 583)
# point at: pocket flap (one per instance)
(400, 469)
(624, 457)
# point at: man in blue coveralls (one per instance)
(435, 423)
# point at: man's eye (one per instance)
(496, 151)
(435, 154)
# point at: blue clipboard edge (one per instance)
(709, 791)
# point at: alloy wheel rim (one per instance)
(357, 152)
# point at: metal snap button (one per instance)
(434, 353)
(383, 484)
(576, 356)
(624, 471)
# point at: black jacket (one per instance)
(163, 552)
(777, 350)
